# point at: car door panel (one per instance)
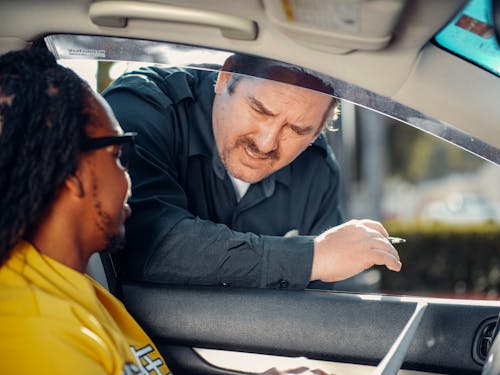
(342, 327)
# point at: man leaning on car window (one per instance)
(233, 181)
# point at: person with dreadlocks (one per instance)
(63, 193)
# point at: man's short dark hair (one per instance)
(279, 71)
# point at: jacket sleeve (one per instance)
(166, 242)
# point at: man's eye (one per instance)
(299, 131)
(257, 109)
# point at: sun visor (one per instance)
(337, 26)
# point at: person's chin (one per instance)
(249, 172)
(249, 175)
(115, 243)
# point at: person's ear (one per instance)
(74, 185)
(222, 82)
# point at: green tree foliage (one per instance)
(103, 77)
(420, 156)
(445, 260)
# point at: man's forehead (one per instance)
(271, 94)
(263, 85)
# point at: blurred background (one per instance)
(442, 199)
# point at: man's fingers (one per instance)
(300, 370)
(350, 248)
(384, 244)
(271, 371)
(319, 372)
(382, 257)
(375, 225)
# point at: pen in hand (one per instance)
(396, 240)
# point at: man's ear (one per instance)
(222, 81)
(74, 185)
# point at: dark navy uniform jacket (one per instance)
(187, 225)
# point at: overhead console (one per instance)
(337, 26)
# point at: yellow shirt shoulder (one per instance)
(55, 320)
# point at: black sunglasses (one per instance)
(126, 142)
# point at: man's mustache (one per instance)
(250, 144)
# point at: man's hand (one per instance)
(300, 370)
(346, 250)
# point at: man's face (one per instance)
(264, 125)
(107, 184)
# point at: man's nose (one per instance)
(267, 138)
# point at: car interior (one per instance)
(388, 60)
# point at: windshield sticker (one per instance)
(87, 52)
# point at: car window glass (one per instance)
(443, 200)
(425, 180)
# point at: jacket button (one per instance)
(284, 284)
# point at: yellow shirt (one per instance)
(55, 320)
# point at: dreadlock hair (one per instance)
(42, 125)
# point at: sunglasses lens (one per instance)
(125, 141)
(127, 150)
